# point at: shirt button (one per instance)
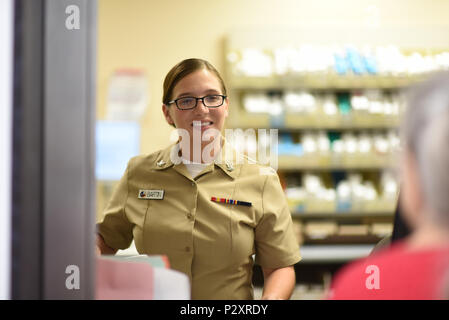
(193, 184)
(189, 216)
(187, 249)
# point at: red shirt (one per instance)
(395, 273)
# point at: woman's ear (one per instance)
(167, 115)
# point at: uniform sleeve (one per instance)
(276, 244)
(114, 226)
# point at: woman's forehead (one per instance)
(201, 81)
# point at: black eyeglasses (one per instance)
(211, 101)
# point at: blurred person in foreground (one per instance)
(416, 267)
(209, 214)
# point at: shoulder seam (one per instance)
(263, 192)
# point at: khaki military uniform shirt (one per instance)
(213, 243)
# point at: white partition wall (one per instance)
(6, 76)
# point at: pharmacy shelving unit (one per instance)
(290, 164)
(327, 248)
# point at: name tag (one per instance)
(151, 194)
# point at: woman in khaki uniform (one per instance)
(207, 209)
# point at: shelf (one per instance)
(334, 253)
(342, 215)
(344, 162)
(322, 81)
(319, 209)
(339, 239)
(294, 121)
(339, 122)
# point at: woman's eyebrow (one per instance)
(186, 94)
(190, 94)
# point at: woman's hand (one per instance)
(102, 247)
(279, 283)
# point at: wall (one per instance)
(155, 35)
(6, 41)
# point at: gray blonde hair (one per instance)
(425, 133)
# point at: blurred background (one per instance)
(330, 76)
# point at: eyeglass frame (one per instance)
(196, 101)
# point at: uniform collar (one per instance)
(227, 161)
(164, 158)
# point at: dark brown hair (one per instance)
(183, 69)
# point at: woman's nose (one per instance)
(201, 108)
